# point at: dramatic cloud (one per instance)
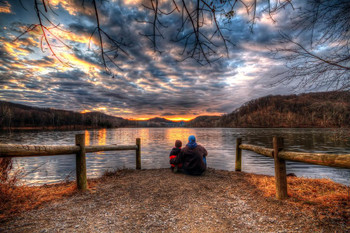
(147, 84)
(5, 7)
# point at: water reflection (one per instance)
(101, 137)
(87, 138)
(157, 142)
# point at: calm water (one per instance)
(157, 142)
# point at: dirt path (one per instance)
(160, 201)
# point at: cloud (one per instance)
(5, 7)
(148, 83)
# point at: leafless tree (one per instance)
(201, 32)
(317, 54)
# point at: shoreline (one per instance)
(74, 128)
(60, 182)
(141, 197)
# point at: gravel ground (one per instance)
(160, 201)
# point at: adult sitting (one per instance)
(192, 157)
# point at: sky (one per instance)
(147, 84)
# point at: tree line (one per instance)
(18, 116)
(22, 116)
(323, 109)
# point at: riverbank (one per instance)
(158, 200)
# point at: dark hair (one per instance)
(178, 143)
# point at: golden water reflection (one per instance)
(87, 138)
(102, 135)
(180, 134)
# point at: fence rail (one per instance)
(280, 156)
(13, 150)
(80, 149)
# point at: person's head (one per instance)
(192, 142)
(178, 144)
(192, 139)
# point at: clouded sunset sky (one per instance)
(148, 84)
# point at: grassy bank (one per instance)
(332, 200)
(15, 199)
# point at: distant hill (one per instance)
(322, 109)
(204, 121)
(21, 116)
(156, 122)
(159, 119)
(18, 116)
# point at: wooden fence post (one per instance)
(238, 164)
(138, 153)
(81, 162)
(280, 169)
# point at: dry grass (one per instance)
(16, 199)
(331, 198)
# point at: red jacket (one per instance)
(173, 154)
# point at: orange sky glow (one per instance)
(144, 118)
(172, 118)
(70, 74)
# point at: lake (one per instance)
(156, 144)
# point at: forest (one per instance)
(322, 109)
(26, 117)
(18, 116)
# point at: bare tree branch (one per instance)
(318, 53)
(201, 31)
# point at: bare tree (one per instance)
(317, 54)
(201, 32)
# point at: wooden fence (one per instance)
(280, 156)
(80, 149)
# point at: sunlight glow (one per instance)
(74, 60)
(170, 118)
(180, 134)
(65, 35)
(180, 118)
(100, 109)
(14, 49)
(67, 5)
(132, 2)
(140, 119)
(85, 111)
(5, 8)
(87, 138)
(102, 135)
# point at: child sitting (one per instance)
(173, 153)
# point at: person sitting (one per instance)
(173, 154)
(192, 157)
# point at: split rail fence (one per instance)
(280, 156)
(79, 149)
(277, 153)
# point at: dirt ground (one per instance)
(161, 201)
